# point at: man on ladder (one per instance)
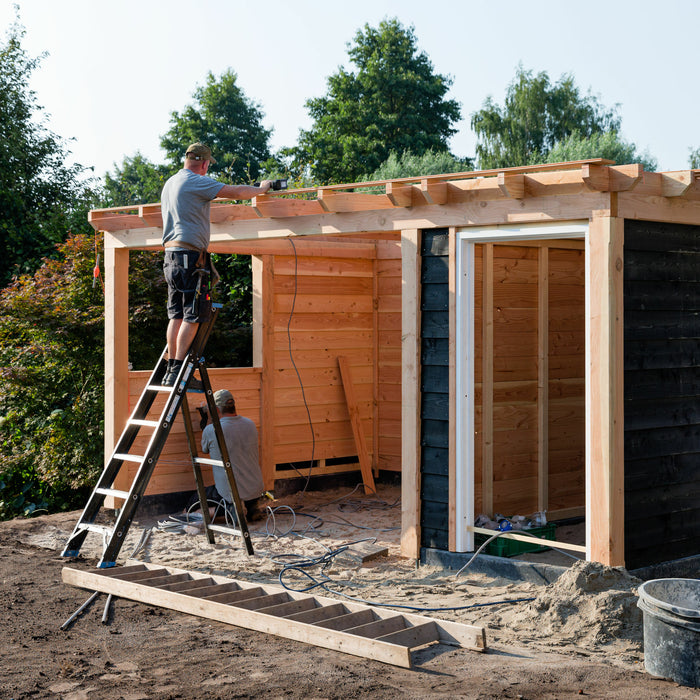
(185, 206)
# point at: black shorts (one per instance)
(188, 286)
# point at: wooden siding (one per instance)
(662, 391)
(523, 466)
(173, 473)
(323, 309)
(388, 356)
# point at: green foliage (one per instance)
(411, 165)
(536, 115)
(51, 393)
(694, 160)
(137, 181)
(393, 102)
(41, 199)
(607, 145)
(228, 122)
(51, 372)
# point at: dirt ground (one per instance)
(579, 636)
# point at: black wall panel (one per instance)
(434, 389)
(662, 392)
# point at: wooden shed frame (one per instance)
(592, 195)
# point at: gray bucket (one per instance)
(671, 608)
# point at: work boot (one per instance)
(169, 378)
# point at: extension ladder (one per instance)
(176, 399)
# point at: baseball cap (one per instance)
(223, 397)
(198, 151)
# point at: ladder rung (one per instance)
(127, 457)
(145, 423)
(113, 492)
(159, 387)
(211, 462)
(90, 527)
(226, 530)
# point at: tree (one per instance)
(137, 181)
(607, 145)
(412, 165)
(228, 122)
(41, 198)
(694, 160)
(535, 116)
(394, 101)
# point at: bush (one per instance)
(51, 382)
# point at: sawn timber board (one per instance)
(353, 628)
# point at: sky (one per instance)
(114, 71)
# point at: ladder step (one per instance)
(206, 460)
(159, 387)
(128, 458)
(113, 492)
(144, 423)
(91, 527)
(226, 530)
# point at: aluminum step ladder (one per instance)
(160, 425)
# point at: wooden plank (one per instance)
(116, 359)
(379, 628)
(410, 387)
(356, 422)
(291, 607)
(605, 411)
(338, 202)
(543, 380)
(487, 381)
(399, 195)
(267, 358)
(512, 185)
(274, 207)
(348, 620)
(323, 612)
(522, 537)
(413, 636)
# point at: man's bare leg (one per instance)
(180, 335)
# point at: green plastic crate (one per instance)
(506, 547)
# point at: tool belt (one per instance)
(204, 263)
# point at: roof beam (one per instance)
(512, 185)
(340, 202)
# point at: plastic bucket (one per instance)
(671, 608)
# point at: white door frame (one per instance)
(464, 434)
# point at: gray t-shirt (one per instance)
(241, 438)
(184, 205)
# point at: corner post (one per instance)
(410, 393)
(116, 344)
(605, 516)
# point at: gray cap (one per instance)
(223, 398)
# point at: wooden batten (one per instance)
(605, 499)
(116, 351)
(410, 386)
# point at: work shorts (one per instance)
(188, 286)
